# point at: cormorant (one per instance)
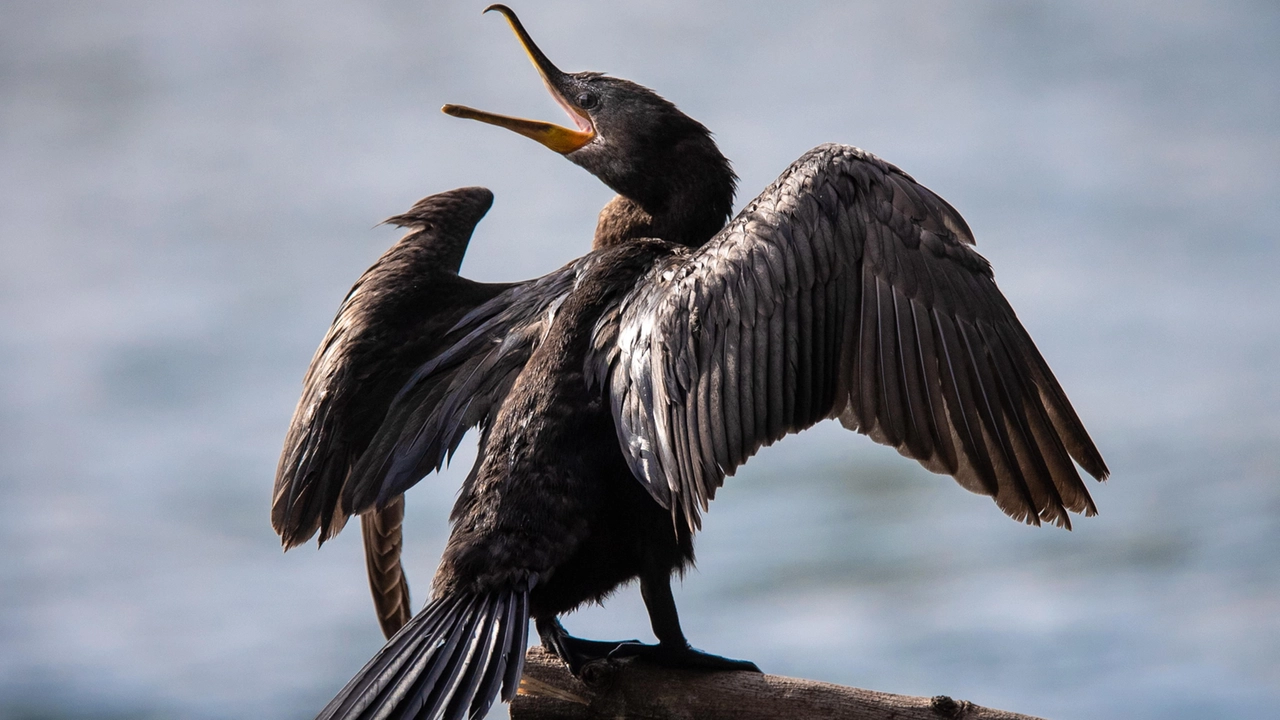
(615, 394)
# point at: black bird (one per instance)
(615, 394)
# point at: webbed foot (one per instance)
(682, 657)
(574, 651)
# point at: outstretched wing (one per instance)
(458, 389)
(394, 319)
(844, 290)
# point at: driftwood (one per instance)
(633, 689)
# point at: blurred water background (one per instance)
(187, 189)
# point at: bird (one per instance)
(614, 395)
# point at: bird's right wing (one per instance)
(457, 390)
(396, 317)
(848, 290)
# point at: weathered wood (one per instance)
(633, 689)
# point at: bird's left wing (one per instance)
(848, 290)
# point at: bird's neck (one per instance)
(684, 200)
(621, 220)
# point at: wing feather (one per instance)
(731, 394)
(978, 474)
(460, 388)
(844, 290)
(1045, 498)
(394, 318)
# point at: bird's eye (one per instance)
(587, 100)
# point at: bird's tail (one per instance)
(447, 663)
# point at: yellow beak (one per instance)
(560, 139)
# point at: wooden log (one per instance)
(617, 689)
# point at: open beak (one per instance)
(560, 139)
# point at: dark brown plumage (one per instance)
(615, 394)
(382, 533)
(391, 321)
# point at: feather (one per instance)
(845, 289)
(382, 532)
(450, 661)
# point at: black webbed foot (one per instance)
(672, 650)
(682, 657)
(576, 652)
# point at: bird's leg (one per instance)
(575, 652)
(672, 649)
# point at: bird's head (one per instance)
(632, 139)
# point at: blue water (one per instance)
(187, 190)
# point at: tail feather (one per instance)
(383, 540)
(367, 688)
(506, 671)
(503, 671)
(514, 654)
(447, 663)
(478, 662)
(420, 696)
